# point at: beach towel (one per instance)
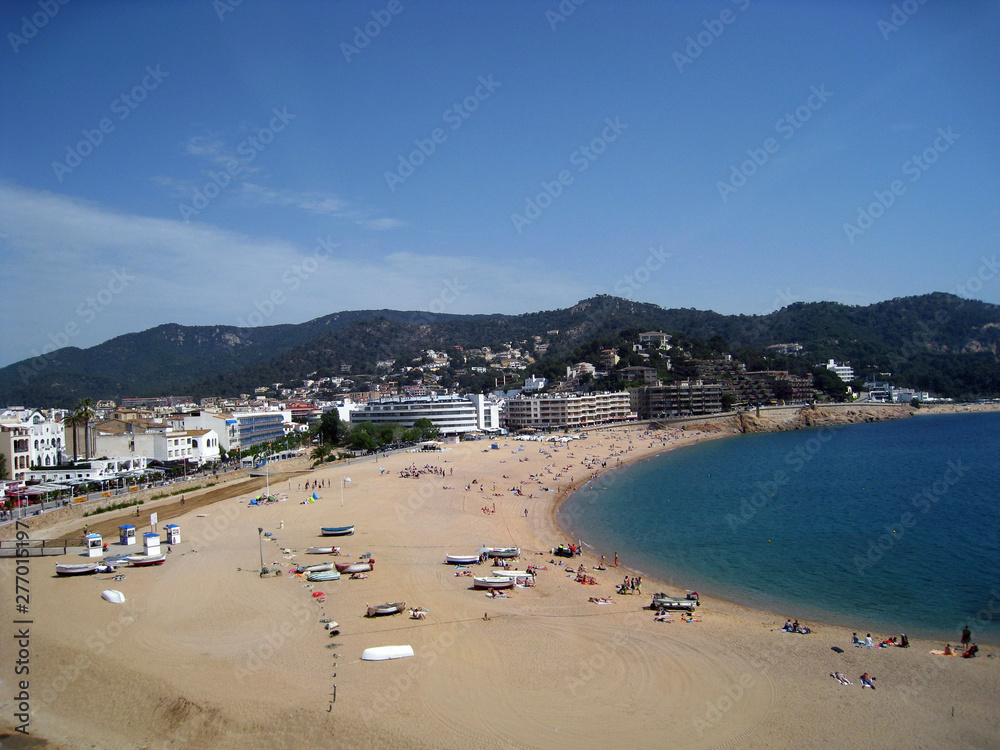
(940, 652)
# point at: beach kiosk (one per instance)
(152, 543)
(173, 533)
(95, 545)
(126, 535)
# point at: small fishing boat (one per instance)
(143, 561)
(493, 582)
(461, 559)
(323, 551)
(662, 601)
(503, 552)
(381, 653)
(323, 575)
(81, 569)
(337, 530)
(517, 575)
(316, 567)
(358, 567)
(115, 597)
(374, 610)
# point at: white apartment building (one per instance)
(451, 414)
(844, 372)
(567, 410)
(240, 428)
(166, 445)
(15, 440)
(46, 434)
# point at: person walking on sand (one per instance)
(966, 637)
(616, 559)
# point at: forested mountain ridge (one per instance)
(936, 342)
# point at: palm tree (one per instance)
(85, 412)
(72, 420)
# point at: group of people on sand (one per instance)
(968, 650)
(794, 627)
(866, 679)
(868, 642)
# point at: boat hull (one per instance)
(493, 582)
(506, 553)
(77, 570)
(323, 551)
(673, 603)
(356, 567)
(336, 530)
(323, 575)
(461, 559)
(375, 610)
(143, 561)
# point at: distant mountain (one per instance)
(936, 342)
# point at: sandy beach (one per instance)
(206, 653)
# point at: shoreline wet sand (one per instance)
(206, 653)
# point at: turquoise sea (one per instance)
(889, 527)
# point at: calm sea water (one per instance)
(887, 527)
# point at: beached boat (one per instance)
(503, 552)
(323, 551)
(461, 559)
(358, 567)
(493, 582)
(517, 575)
(323, 575)
(115, 597)
(381, 653)
(142, 561)
(337, 530)
(662, 601)
(316, 567)
(374, 610)
(81, 569)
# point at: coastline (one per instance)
(731, 678)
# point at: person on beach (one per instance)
(966, 636)
(947, 650)
(867, 681)
(868, 641)
(971, 652)
(616, 559)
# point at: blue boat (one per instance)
(337, 530)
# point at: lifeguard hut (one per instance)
(173, 533)
(152, 543)
(95, 545)
(126, 535)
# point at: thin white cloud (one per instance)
(198, 274)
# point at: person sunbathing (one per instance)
(841, 678)
(662, 616)
(947, 650)
(867, 681)
(971, 653)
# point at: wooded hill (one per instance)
(936, 342)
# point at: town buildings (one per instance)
(567, 410)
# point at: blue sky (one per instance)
(264, 162)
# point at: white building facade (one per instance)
(568, 410)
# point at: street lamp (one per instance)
(260, 542)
